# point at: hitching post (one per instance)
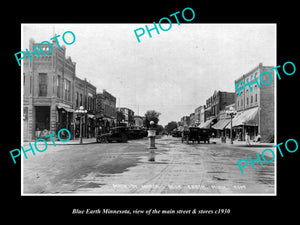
(151, 135)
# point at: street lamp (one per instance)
(231, 112)
(151, 135)
(80, 112)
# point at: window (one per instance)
(77, 99)
(242, 102)
(251, 99)
(247, 100)
(58, 82)
(67, 90)
(80, 99)
(42, 84)
(255, 97)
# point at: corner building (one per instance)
(49, 92)
(255, 109)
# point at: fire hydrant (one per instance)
(151, 136)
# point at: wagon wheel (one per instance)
(103, 140)
(98, 139)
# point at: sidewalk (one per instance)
(85, 141)
(241, 143)
(255, 146)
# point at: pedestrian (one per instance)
(247, 139)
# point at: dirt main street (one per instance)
(123, 168)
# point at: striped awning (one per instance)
(206, 124)
(221, 124)
(248, 117)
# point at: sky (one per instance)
(173, 72)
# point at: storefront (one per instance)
(42, 121)
(64, 118)
(208, 123)
(245, 122)
(219, 127)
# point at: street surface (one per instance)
(123, 168)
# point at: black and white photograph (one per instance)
(150, 111)
(184, 112)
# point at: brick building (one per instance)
(255, 109)
(214, 104)
(127, 115)
(185, 121)
(85, 95)
(106, 115)
(48, 92)
(199, 115)
(138, 121)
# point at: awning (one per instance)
(245, 118)
(206, 124)
(221, 124)
(64, 107)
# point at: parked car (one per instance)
(136, 132)
(192, 134)
(195, 134)
(118, 134)
(204, 134)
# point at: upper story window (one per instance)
(67, 90)
(58, 85)
(42, 84)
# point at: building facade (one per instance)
(85, 95)
(48, 92)
(106, 115)
(185, 121)
(138, 121)
(127, 116)
(199, 115)
(214, 104)
(255, 106)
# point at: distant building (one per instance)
(199, 115)
(128, 116)
(214, 105)
(185, 121)
(106, 115)
(138, 121)
(85, 95)
(192, 120)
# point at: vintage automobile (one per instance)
(204, 134)
(135, 132)
(192, 134)
(118, 134)
(195, 134)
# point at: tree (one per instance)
(159, 128)
(171, 126)
(151, 115)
